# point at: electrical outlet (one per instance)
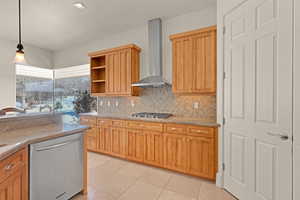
(132, 103)
(117, 103)
(108, 103)
(196, 105)
(101, 103)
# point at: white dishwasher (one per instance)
(56, 168)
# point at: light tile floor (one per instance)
(115, 179)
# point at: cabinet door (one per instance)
(201, 157)
(118, 141)
(153, 148)
(175, 152)
(135, 144)
(182, 65)
(105, 139)
(204, 66)
(92, 139)
(113, 73)
(124, 73)
(14, 188)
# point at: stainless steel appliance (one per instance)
(152, 115)
(56, 168)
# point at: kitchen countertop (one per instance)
(15, 139)
(174, 119)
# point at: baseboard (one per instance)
(220, 180)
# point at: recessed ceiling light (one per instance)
(79, 5)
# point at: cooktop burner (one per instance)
(152, 115)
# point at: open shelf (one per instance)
(98, 74)
(99, 67)
(98, 81)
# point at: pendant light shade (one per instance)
(20, 55)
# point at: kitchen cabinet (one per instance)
(194, 61)
(92, 139)
(200, 156)
(175, 152)
(14, 176)
(114, 70)
(118, 141)
(135, 143)
(105, 139)
(153, 148)
(183, 148)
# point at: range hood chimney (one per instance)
(155, 57)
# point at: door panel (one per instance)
(125, 72)
(258, 99)
(204, 66)
(153, 148)
(118, 141)
(175, 152)
(201, 162)
(135, 143)
(105, 139)
(182, 70)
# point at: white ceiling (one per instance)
(56, 24)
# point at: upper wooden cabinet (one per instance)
(114, 70)
(194, 61)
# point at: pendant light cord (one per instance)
(20, 39)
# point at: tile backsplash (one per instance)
(160, 100)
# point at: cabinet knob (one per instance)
(8, 167)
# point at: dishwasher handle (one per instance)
(53, 146)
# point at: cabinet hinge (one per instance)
(224, 121)
(224, 30)
(223, 166)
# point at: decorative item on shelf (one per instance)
(20, 55)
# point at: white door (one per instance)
(258, 100)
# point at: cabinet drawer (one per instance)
(145, 126)
(200, 131)
(118, 123)
(103, 122)
(88, 120)
(12, 164)
(176, 128)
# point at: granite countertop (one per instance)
(174, 119)
(15, 139)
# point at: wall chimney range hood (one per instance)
(155, 57)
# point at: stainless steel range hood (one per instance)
(155, 57)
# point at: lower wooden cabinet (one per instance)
(153, 148)
(14, 177)
(183, 148)
(92, 139)
(201, 157)
(175, 152)
(118, 141)
(135, 143)
(105, 139)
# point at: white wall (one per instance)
(297, 103)
(34, 56)
(77, 55)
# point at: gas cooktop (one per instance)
(152, 115)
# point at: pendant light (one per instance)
(20, 56)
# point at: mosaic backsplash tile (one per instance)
(160, 100)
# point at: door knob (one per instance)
(281, 136)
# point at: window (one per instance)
(72, 90)
(63, 90)
(34, 89)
